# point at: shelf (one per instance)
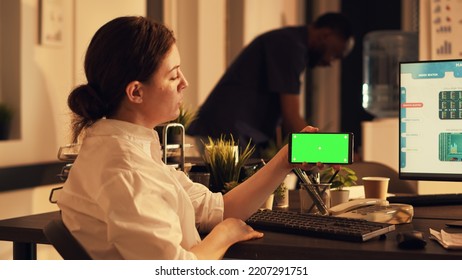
(174, 165)
(177, 146)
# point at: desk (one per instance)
(25, 232)
(286, 246)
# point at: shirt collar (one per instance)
(122, 128)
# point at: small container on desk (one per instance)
(307, 205)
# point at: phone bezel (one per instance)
(350, 147)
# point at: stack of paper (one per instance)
(446, 239)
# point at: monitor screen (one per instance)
(430, 120)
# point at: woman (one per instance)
(120, 200)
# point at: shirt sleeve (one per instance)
(142, 222)
(208, 206)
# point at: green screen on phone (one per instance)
(329, 148)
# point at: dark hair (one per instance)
(123, 50)
(337, 22)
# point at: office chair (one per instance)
(376, 169)
(63, 241)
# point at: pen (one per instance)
(317, 200)
(326, 187)
(303, 176)
(333, 177)
(313, 179)
(307, 177)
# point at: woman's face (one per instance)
(163, 93)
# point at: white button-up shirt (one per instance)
(121, 201)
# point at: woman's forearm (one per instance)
(248, 196)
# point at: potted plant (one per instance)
(281, 196)
(339, 177)
(225, 162)
(185, 117)
(6, 114)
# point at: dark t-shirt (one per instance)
(246, 101)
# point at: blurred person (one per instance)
(260, 91)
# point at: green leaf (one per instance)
(221, 160)
(346, 177)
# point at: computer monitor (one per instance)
(430, 120)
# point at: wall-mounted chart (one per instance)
(446, 29)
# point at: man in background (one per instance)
(260, 91)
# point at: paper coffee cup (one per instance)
(376, 187)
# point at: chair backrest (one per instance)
(62, 240)
(377, 169)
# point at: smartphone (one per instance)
(328, 148)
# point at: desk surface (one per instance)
(27, 229)
(273, 245)
(286, 246)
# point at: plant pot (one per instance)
(339, 196)
(281, 199)
(291, 181)
(268, 204)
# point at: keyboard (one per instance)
(428, 199)
(330, 227)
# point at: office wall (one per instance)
(44, 72)
(9, 60)
(89, 16)
(44, 75)
(47, 74)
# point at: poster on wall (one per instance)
(51, 22)
(446, 29)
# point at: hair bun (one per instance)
(86, 102)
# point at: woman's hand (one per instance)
(244, 199)
(223, 235)
(282, 157)
(235, 230)
(307, 166)
(310, 128)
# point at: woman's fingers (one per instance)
(310, 128)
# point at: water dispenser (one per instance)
(382, 52)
